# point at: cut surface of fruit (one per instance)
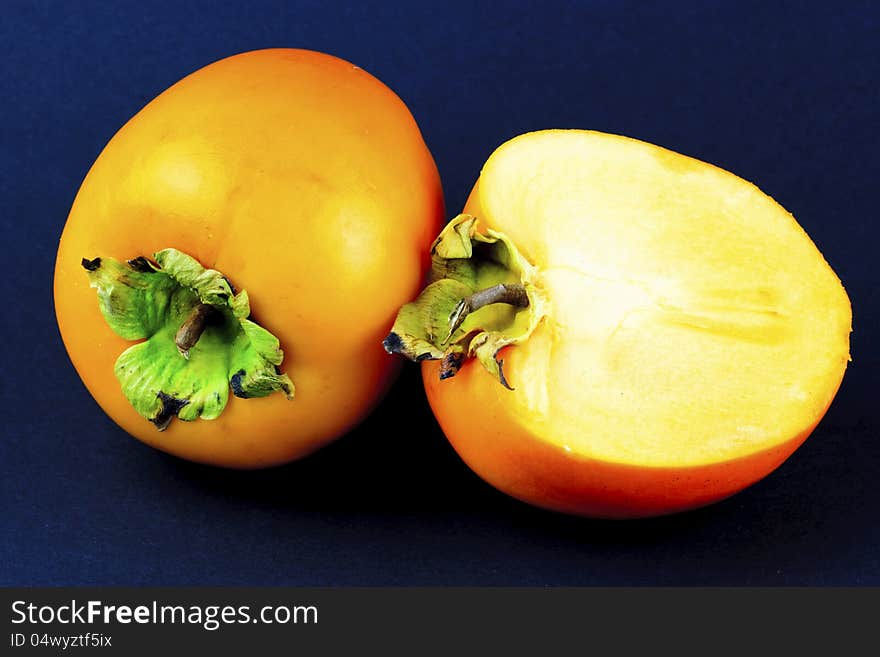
(690, 320)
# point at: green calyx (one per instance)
(481, 297)
(197, 339)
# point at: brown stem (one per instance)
(192, 328)
(513, 294)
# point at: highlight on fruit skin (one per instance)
(677, 335)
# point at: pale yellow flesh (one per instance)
(692, 320)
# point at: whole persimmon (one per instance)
(655, 333)
(237, 251)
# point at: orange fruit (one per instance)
(290, 174)
(668, 335)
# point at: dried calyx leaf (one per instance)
(197, 339)
(481, 297)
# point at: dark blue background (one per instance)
(785, 95)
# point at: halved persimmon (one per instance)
(655, 333)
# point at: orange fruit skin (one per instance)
(471, 409)
(303, 179)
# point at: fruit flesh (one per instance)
(691, 322)
(307, 182)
